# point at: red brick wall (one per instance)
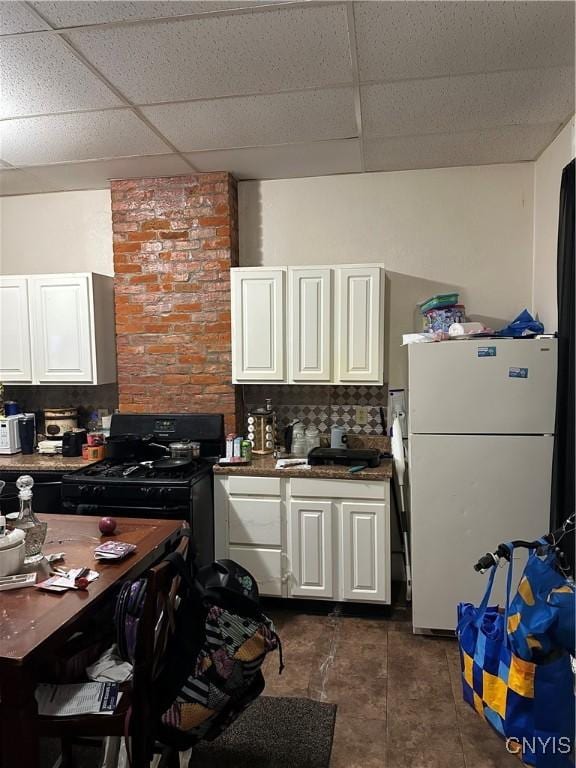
(175, 239)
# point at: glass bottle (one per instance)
(27, 521)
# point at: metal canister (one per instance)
(246, 450)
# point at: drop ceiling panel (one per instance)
(16, 17)
(288, 48)
(97, 174)
(40, 76)
(398, 40)
(82, 136)
(250, 121)
(72, 14)
(494, 145)
(468, 102)
(283, 162)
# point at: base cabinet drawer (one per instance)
(255, 521)
(264, 564)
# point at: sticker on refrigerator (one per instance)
(518, 373)
(486, 351)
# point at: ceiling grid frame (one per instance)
(186, 156)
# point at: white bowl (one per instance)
(12, 559)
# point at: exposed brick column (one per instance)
(175, 239)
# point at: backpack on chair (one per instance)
(213, 651)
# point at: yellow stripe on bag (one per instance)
(494, 692)
(525, 591)
(533, 643)
(478, 704)
(566, 590)
(468, 661)
(521, 677)
(513, 622)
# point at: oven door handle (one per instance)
(109, 510)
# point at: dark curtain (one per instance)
(562, 503)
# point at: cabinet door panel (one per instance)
(360, 347)
(60, 311)
(15, 357)
(264, 564)
(365, 560)
(311, 317)
(310, 548)
(258, 325)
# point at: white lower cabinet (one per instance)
(365, 557)
(325, 545)
(310, 548)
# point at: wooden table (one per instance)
(33, 623)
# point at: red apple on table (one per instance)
(107, 526)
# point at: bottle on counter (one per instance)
(299, 444)
(34, 529)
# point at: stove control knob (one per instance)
(146, 490)
(164, 491)
(83, 490)
(99, 490)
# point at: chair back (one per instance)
(154, 629)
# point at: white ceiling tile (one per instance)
(251, 121)
(82, 136)
(284, 162)
(39, 76)
(74, 14)
(97, 174)
(468, 102)
(16, 17)
(288, 48)
(399, 40)
(508, 144)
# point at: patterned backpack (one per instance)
(212, 662)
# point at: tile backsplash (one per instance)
(87, 398)
(323, 406)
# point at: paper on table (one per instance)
(292, 464)
(77, 699)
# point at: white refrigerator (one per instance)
(480, 423)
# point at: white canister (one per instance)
(312, 438)
(12, 552)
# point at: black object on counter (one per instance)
(347, 456)
(72, 443)
(132, 446)
(27, 432)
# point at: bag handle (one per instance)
(484, 604)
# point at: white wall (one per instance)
(547, 177)
(466, 228)
(471, 227)
(56, 232)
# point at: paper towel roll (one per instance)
(465, 329)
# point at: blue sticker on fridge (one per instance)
(486, 351)
(518, 373)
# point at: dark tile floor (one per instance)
(398, 694)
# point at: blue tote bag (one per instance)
(530, 704)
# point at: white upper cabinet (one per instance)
(67, 327)
(360, 343)
(258, 336)
(60, 315)
(310, 323)
(15, 357)
(331, 319)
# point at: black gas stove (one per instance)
(134, 487)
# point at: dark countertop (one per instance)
(264, 466)
(35, 462)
